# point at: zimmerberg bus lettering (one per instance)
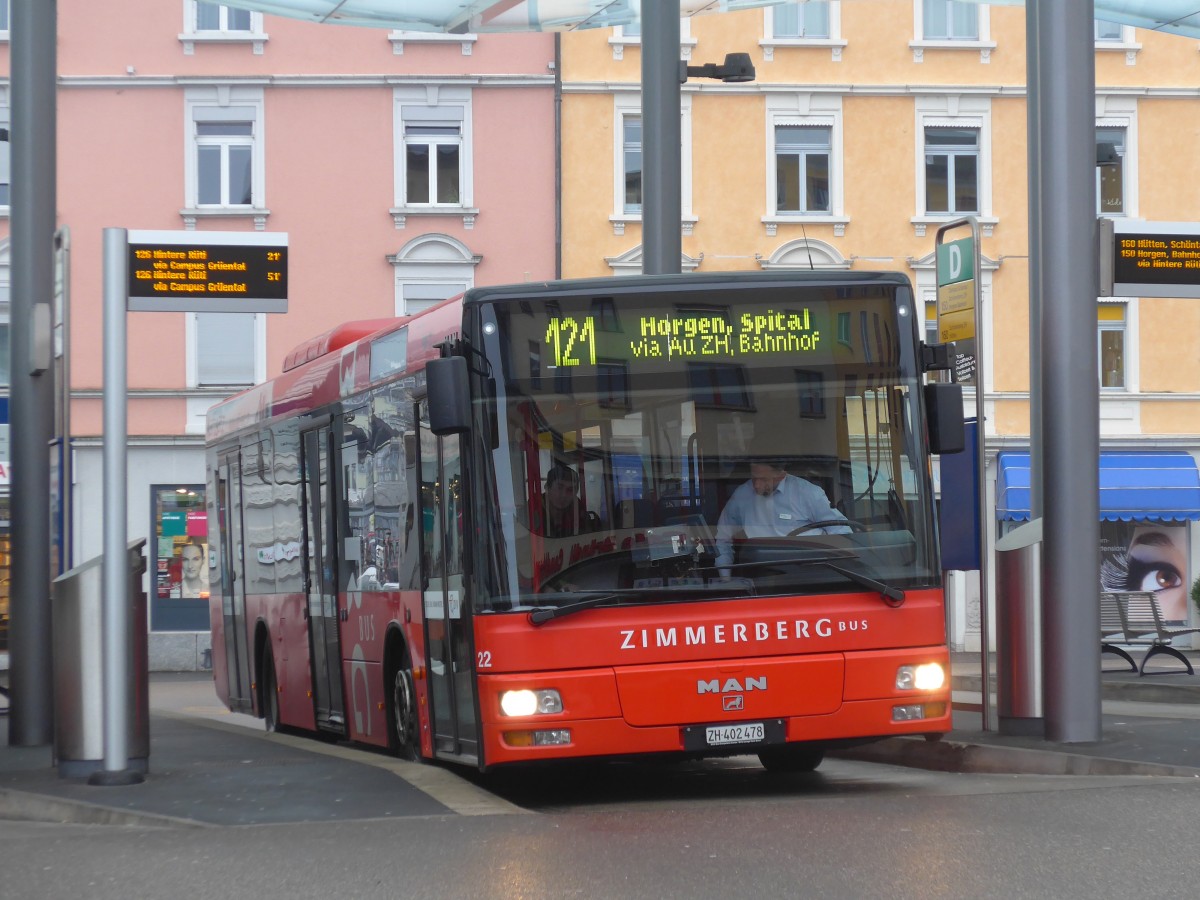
(738, 633)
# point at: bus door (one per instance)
(321, 577)
(233, 582)
(447, 609)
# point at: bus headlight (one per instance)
(528, 703)
(926, 677)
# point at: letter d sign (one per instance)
(955, 262)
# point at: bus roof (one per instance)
(333, 366)
(334, 339)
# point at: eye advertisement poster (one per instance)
(1148, 556)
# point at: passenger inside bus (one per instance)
(563, 514)
(772, 503)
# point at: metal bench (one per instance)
(1139, 620)
(1112, 625)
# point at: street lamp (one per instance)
(737, 67)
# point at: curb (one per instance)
(28, 807)
(955, 756)
(1129, 689)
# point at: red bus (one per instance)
(394, 569)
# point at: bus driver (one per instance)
(563, 513)
(771, 503)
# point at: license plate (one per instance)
(741, 733)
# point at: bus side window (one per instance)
(289, 564)
(357, 545)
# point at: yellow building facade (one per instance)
(871, 123)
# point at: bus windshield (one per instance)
(659, 447)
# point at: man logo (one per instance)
(731, 685)
(733, 703)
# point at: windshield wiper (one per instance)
(545, 614)
(893, 597)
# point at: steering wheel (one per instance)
(828, 523)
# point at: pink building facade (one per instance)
(403, 167)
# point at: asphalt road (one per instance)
(719, 829)
(712, 829)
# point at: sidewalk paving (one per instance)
(1150, 725)
(210, 768)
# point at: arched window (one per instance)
(429, 269)
(806, 254)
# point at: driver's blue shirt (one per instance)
(793, 503)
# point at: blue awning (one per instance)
(1161, 487)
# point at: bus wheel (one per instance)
(403, 728)
(791, 758)
(270, 695)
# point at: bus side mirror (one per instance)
(449, 395)
(944, 413)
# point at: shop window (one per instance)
(179, 558)
(1111, 317)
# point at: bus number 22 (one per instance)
(485, 659)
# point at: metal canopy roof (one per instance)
(478, 16)
(459, 16)
(1134, 486)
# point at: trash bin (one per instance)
(77, 608)
(1019, 631)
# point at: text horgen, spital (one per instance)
(756, 632)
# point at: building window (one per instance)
(225, 350)
(629, 34)
(215, 23)
(1111, 338)
(627, 161)
(224, 163)
(1108, 31)
(217, 17)
(804, 151)
(1113, 37)
(434, 141)
(950, 20)
(802, 156)
(951, 170)
(631, 162)
(432, 163)
(4, 26)
(416, 296)
(795, 21)
(1110, 171)
(225, 160)
(429, 269)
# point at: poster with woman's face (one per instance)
(1147, 556)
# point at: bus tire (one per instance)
(270, 695)
(404, 734)
(791, 758)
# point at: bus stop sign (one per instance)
(956, 290)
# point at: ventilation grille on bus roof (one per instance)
(334, 339)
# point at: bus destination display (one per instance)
(182, 274)
(1151, 259)
(695, 336)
